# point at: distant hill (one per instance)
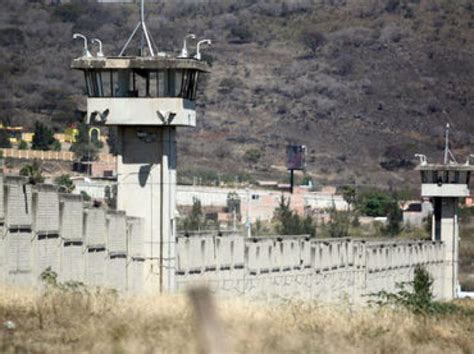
(364, 84)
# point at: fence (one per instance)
(50, 155)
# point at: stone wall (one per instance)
(300, 267)
(41, 228)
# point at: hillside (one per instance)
(380, 85)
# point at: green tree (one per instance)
(290, 223)
(252, 155)
(349, 195)
(5, 139)
(195, 221)
(65, 183)
(83, 148)
(23, 145)
(338, 225)
(33, 172)
(374, 203)
(233, 202)
(43, 138)
(56, 146)
(312, 40)
(394, 218)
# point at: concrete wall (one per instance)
(299, 267)
(41, 228)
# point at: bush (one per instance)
(240, 34)
(33, 172)
(83, 148)
(65, 183)
(252, 156)
(312, 40)
(4, 139)
(86, 196)
(290, 223)
(338, 225)
(23, 145)
(373, 203)
(394, 218)
(420, 299)
(195, 221)
(43, 138)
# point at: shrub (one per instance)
(43, 138)
(195, 221)
(83, 148)
(394, 218)
(240, 34)
(339, 222)
(85, 196)
(23, 145)
(373, 203)
(312, 40)
(419, 300)
(290, 223)
(252, 156)
(4, 139)
(33, 172)
(65, 183)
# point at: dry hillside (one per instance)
(380, 82)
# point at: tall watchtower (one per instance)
(146, 97)
(445, 184)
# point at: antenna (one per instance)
(447, 151)
(141, 24)
(85, 51)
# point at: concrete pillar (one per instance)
(447, 230)
(146, 167)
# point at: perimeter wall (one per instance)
(300, 267)
(41, 228)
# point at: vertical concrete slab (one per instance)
(116, 274)
(136, 256)
(72, 261)
(46, 241)
(117, 232)
(71, 225)
(95, 238)
(18, 227)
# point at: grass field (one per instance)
(73, 322)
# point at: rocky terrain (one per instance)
(364, 84)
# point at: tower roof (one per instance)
(443, 167)
(146, 63)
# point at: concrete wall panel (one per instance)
(46, 209)
(95, 229)
(71, 217)
(72, 262)
(117, 232)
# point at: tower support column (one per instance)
(446, 229)
(146, 168)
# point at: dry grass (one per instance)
(67, 322)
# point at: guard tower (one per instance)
(146, 97)
(444, 184)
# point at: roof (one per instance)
(442, 167)
(152, 63)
